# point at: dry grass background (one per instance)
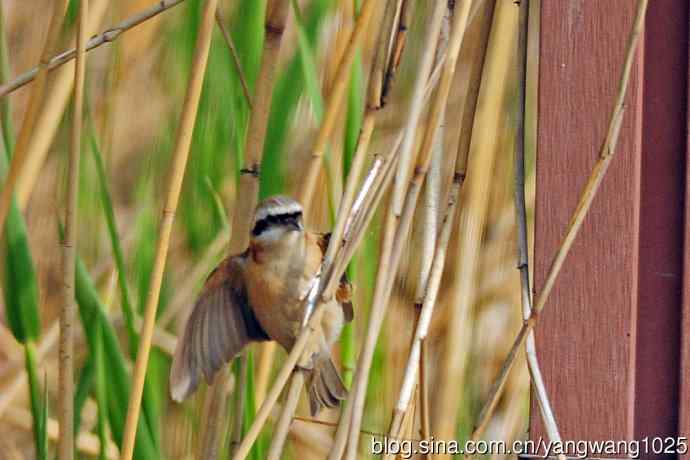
(134, 92)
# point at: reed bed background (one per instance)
(289, 94)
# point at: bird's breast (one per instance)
(276, 289)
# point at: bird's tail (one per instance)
(326, 389)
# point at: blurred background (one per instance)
(134, 93)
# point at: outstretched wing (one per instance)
(219, 327)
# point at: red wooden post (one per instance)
(610, 339)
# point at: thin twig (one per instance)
(235, 57)
(521, 214)
(107, 36)
(180, 155)
(66, 347)
(598, 173)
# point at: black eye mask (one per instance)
(272, 220)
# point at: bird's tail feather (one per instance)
(326, 389)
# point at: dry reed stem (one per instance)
(107, 36)
(399, 41)
(587, 196)
(342, 431)
(485, 97)
(21, 150)
(428, 301)
(521, 214)
(337, 94)
(69, 243)
(263, 371)
(235, 57)
(181, 152)
(417, 105)
(379, 66)
(283, 426)
(380, 302)
(248, 189)
(50, 116)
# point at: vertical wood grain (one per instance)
(684, 416)
(662, 213)
(586, 339)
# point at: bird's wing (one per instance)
(219, 327)
(344, 292)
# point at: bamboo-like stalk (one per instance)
(337, 95)
(276, 17)
(521, 214)
(180, 155)
(590, 190)
(66, 374)
(380, 303)
(107, 36)
(32, 111)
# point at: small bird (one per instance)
(260, 295)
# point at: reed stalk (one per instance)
(180, 155)
(21, 151)
(403, 220)
(69, 243)
(482, 152)
(248, 194)
(590, 190)
(539, 386)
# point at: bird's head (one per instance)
(276, 217)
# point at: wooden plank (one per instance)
(684, 422)
(662, 214)
(586, 338)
